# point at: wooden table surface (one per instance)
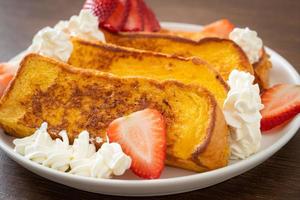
(277, 22)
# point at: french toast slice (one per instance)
(223, 54)
(74, 99)
(124, 61)
(262, 70)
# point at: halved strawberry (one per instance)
(135, 20)
(282, 102)
(151, 24)
(220, 29)
(101, 8)
(142, 136)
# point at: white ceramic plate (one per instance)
(175, 180)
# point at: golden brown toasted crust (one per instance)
(219, 160)
(123, 37)
(75, 99)
(124, 61)
(185, 34)
(223, 54)
(262, 70)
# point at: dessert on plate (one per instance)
(111, 90)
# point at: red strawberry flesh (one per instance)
(282, 103)
(123, 15)
(142, 136)
(151, 24)
(135, 20)
(117, 19)
(220, 28)
(101, 8)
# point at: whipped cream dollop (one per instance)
(249, 41)
(56, 42)
(85, 26)
(40, 148)
(241, 110)
(107, 161)
(47, 42)
(52, 43)
(81, 158)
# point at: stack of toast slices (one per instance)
(183, 79)
(222, 53)
(75, 99)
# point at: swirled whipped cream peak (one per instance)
(41, 149)
(53, 43)
(47, 42)
(242, 113)
(81, 158)
(249, 41)
(56, 42)
(85, 26)
(84, 153)
(107, 161)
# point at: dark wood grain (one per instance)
(277, 22)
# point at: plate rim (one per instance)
(257, 158)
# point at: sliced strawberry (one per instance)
(151, 23)
(101, 8)
(220, 28)
(115, 22)
(142, 136)
(123, 15)
(112, 14)
(134, 20)
(282, 102)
